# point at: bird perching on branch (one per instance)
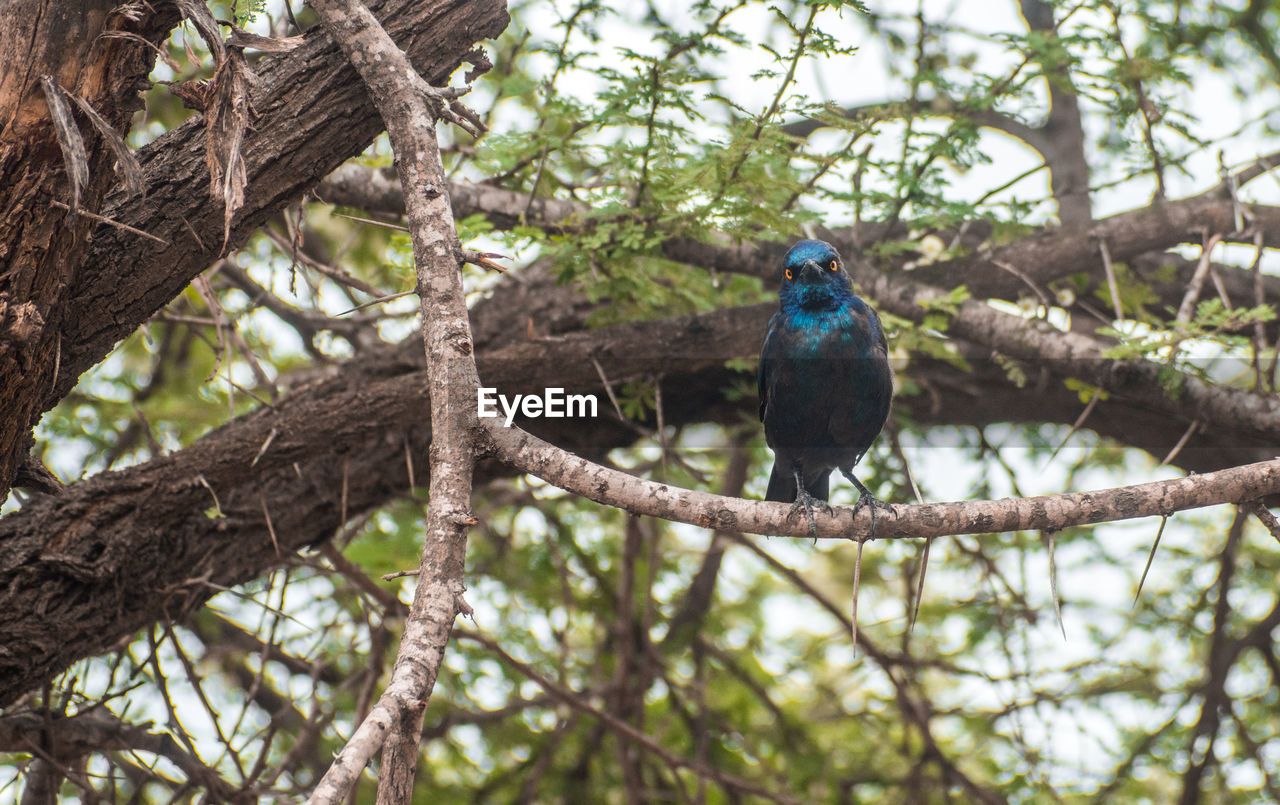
(824, 380)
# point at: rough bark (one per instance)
(311, 114)
(43, 175)
(112, 554)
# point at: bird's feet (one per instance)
(866, 499)
(807, 502)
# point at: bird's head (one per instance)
(813, 276)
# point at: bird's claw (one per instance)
(866, 499)
(806, 503)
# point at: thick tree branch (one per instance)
(1041, 257)
(1050, 255)
(372, 189)
(312, 114)
(80, 570)
(1062, 131)
(1075, 355)
(1066, 354)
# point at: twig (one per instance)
(265, 444)
(1075, 426)
(1053, 582)
(608, 389)
(484, 260)
(1259, 340)
(1112, 286)
(1036, 289)
(271, 529)
(373, 222)
(1150, 556)
(1188, 306)
(346, 483)
(380, 300)
(408, 464)
(924, 566)
(335, 274)
(216, 505)
(352, 572)
(399, 574)
(1267, 518)
(857, 582)
(1182, 442)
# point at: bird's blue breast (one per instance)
(814, 330)
(826, 332)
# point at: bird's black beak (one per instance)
(810, 272)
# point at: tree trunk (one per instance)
(46, 45)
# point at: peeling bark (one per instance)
(92, 286)
(43, 243)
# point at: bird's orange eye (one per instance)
(832, 265)
(788, 273)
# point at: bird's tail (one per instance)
(782, 486)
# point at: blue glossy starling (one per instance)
(825, 383)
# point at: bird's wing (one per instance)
(856, 421)
(878, 341)
(764, 372)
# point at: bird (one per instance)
(824, 380)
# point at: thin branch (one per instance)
(410, 107)
(1266, 517)
(620, 727)
(1151, 556)
(530, 454)
(1110, 272)
(1188, 306)
(1053, 580)
(110, 222)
